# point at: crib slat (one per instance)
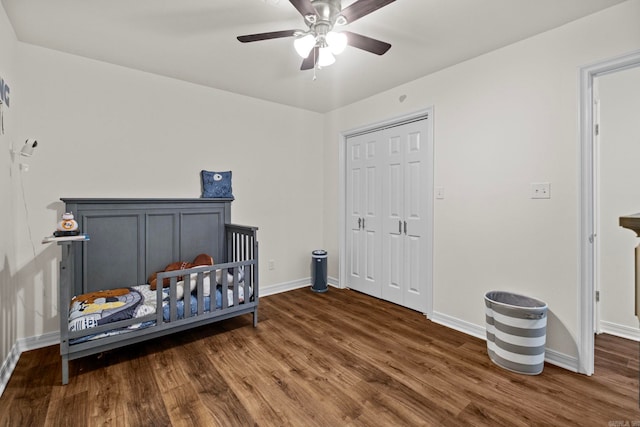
(173, 307)
(224, 289)
(200, 293)
(236, 287)
(213, 306)
(247, 283)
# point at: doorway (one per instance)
(589, 202)
(617, 148)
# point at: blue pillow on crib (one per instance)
(216, 185)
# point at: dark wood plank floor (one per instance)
(333, 359)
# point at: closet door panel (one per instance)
(416, 215)
(393, 264)
(354, 213)
(371, 229)
(354, 256)
(356, 196)
(393, 202)
(372, 219)
(370, 258)
(363, 207)
(414, 280)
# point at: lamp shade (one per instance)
(337, 42)
(325, 57)
(304, 45)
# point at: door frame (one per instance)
(587, 236)
(342, 193)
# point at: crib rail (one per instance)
(201, 283)
(206, 289)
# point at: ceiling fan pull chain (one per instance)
(315, 65)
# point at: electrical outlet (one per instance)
(540, 190)
(272, 264)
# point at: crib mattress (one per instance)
(99, 308)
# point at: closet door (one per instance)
(406, 191)
(363, 241)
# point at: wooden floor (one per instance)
(333, 359)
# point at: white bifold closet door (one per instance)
(364, 202)
(388, 192)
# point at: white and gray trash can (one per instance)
(319, 271)
(516, 331)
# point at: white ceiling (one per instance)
(195, 40)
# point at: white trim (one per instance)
(459, 325)
(586, 291)
(22, 345)
(551, 356)
(265, 291)
(342, 207)
(8, 366)
(561, 360)
(40, 341)
(290, 286)
(621, 331)
(427, 112)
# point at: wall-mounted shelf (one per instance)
(51, 239)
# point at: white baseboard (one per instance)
(34, 343)
(551, 356)
(459, 325)
(22, 345)
(621, 331)
(561, 360)
(8, 366)
(265, 291)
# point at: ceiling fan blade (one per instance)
(266, 36)
(309, 62)
(304, 7)
(362, 8)
(367, 43)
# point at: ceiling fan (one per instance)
(319, 43)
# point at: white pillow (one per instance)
(230, 276)
(205, 282)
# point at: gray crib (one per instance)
(131, 238)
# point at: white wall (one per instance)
(619, 147)
(8, 318)
(108, 131)
(502, 121)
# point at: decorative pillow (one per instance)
(230, 276)
(216, 185)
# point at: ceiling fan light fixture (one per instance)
(321, 16)
(304, 44)
(337, 42)
(325, 57)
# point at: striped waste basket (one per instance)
(516, 331)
